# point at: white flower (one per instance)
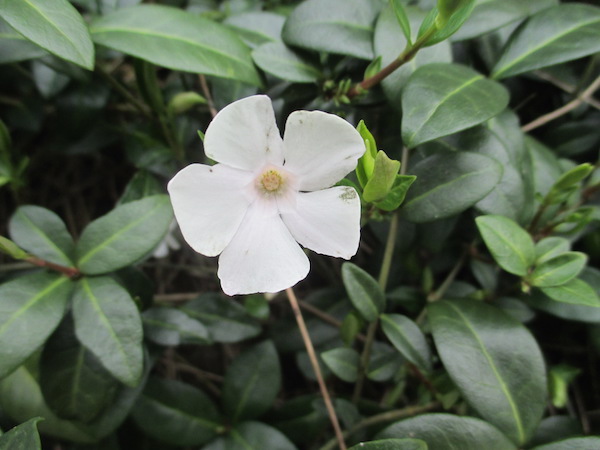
(266, 195)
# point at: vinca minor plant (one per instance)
(403, 197)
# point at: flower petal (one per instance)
(209, 204)
(320, 148)
(244, 134)
(262, 257)
(327, 221)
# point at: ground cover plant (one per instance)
(318, 224)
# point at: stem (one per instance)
(315, 364)
(140, 106)
(384, 273)
(327, 318)
(564, 109)
(439, 292)
(387, 416)
(70, 272)
(407, 54)
(209, 99)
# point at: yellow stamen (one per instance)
(271, 180)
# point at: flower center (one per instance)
(271, 181)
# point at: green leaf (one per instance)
(559, 378)
(170, 327)
(252, 436)
(578, 443)
(277, 59)
(343, 362)
(176, 39)
(447, 431)
(554, 35)
(402, 18)
(510, 245)
(392, 444)
(562, 188)
(43, 234)
(11, 249)
(102, 305)
(124, 235)
(397, 194)
(448, 8)
(489, 15)
(366, 163)
(408, 339)
(252, 382)
(54, 25)
(183, 102)
(388, 42)
(32, 306)
(22, 437)
(346, 29)
(176, 413)
(445, 28)
(558, 270)
(576, 292)
(434, 93)
(350, 328)
(74, 383)
(364, 292)
(142, 184)
(448, 183)
(14, 47)
(226, 320)
(256, 27)
(382, 179)
(503, 379)
(550, 247)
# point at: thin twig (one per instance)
(565, 87)
(315, 364)
(564, 109)
(207, 95)
(327, 318)
(70, 272)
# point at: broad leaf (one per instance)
(252, 436)
(54, 25)
(176, 413)
(552, 36)
(74, 383)
(558, 270)
(392, 444)
(42, 233)
(510, 245)
(226, 320)
(256, 28)
(578, 443)
(108, 324)
(343, 362)
(576, 292)
(347, 28)
(489, 15)
(170, 327)
(277, 59)
(176, 39)
(22, 437)
(448, 183)
(550, 247)
(503, 379)
(434, 93)
(408, 339)
(32, 306)
(252, 382)
(124, 235)
(14, 47)
(446, 431)
(365, 293)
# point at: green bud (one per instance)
(183, 101)
(446, 8)
(567, 183)
(559, 379)
(397, 194)
(11, 249)
(366, 164)
(382, 179)
(373, 68)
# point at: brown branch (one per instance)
(70, 272)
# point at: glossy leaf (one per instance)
(124, 235)
(489, 15)
(32, 306)
(397, 194)
(170, 327)
(364, 292)
(346, 29)
(252, 435)
(510, 245)
(42, 233)
(22, 437)
(74, 383)
(448, 183)
(554, 35)
(446, 431)
(343, 362)
(176, 413)
(434, 93)
(14, 47)
(277, 59)
(408, 339)
(558, 270)
(226, 320)
(252, 382)
(550, 247)
(382, 179)
(256, 28)
(108, 324)
(504, 380)
(576, 292)
(391, 444)
(577, 443)
(54, 25)
(176, 39)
